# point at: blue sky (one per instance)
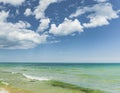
(60, 31)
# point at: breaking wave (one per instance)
(35, 78)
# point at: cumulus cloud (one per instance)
(27, 12)
(66, 28)
(79, 12)
(40, 9)
(3, 16)
(12, 2)
(100, 0)
(96, 21)
(100, 14)
(17, 36)
(44, 24)
(39, 14)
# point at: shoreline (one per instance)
(50, 86)
(4, 88)
(46, 78)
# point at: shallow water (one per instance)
(105, 77)
(2, 90)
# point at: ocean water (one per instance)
(104, 77)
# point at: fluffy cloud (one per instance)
(13, 2)
(39, 13)
(66, 28)
(17, 35)
(96, 21)
(44, 24)
(100, 14)
(3, 16)
(100, 0)
(40, 9)
(79, 12)
(27, 12)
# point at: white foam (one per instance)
(14, 72)
(5, 83)
(2, 90)
(35, 78)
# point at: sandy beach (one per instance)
(2, 90)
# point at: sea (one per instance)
(102, 76)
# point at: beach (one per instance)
(37, 85)
(59, 78)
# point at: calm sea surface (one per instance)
(96, 76)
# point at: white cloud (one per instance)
(100, 0)
(79, 12)
(3, 16)
(39, 13)
(66, 28)
(44, 24)
(27, 12)
(22, 24)
(17, 36)
(100, 14)
(17, 12)
(13, 2)
(40, 9)
(96, 21)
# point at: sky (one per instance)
(60, 31)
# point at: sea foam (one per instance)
(14, 72)
(35, 78)
(5, 83)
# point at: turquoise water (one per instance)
(96, 76)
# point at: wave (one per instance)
(28, 77)
(14, 72)
(5, 83)
(35, 78)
